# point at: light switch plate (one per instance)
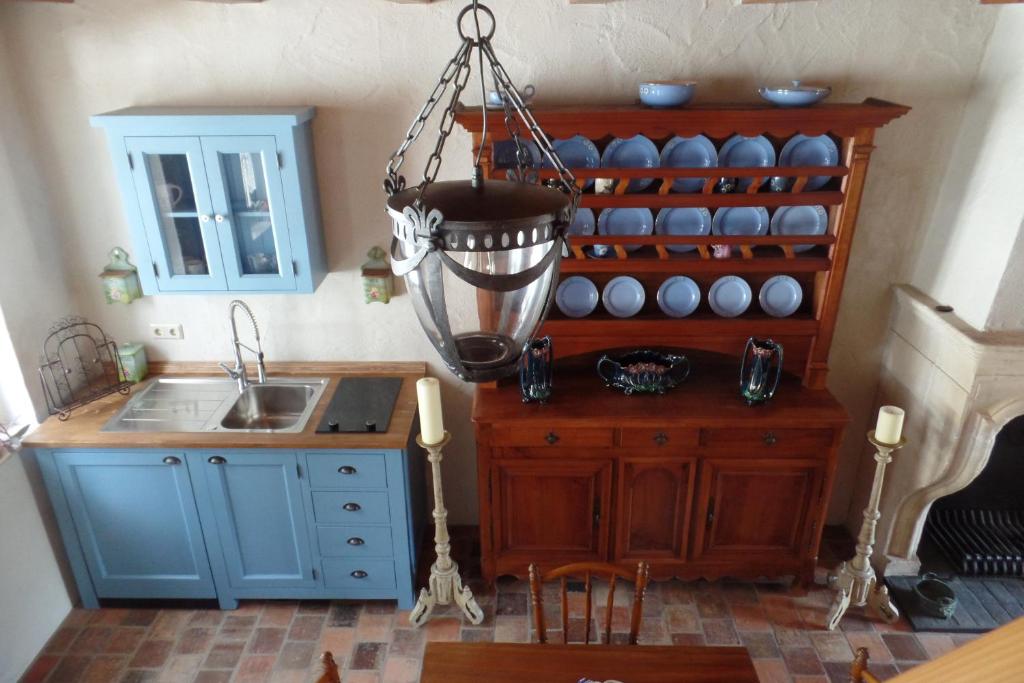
(172, 331)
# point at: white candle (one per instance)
(890, 424)
(428, 393)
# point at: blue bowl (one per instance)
(666, 93)
(795, 95)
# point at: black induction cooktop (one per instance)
(361, 404)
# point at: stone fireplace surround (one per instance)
(960, 386)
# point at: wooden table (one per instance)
(522, 663)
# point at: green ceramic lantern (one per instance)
(120, 279)
(377, 282)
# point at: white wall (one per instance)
(970, 235)
(368, 64)
(33, 596)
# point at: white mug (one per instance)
(168, 194)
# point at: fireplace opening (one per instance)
(979, 530)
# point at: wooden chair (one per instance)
(586, 571)
(330, 674)
(859, 668)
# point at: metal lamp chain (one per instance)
(447, 123)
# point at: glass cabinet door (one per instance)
(173, 192)
(249, 209)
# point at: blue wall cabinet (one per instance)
(219, 199)
(255, 508)
(135, 521)
(239, 524)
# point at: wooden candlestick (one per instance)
(855, 581)
(445, 582)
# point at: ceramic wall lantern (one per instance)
(120, 279)
(377, 282)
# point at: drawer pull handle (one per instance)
(171, 460)
(359, 574)
(769, 439)
(661, 438)
(346, 469)
(217, 460)
(351, 507)
(355, 540)
(551, 438)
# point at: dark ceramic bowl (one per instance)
(643, 371)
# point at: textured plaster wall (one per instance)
(367, 65)
(966, 249)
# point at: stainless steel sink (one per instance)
(206, 404)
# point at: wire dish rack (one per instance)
(79, 365)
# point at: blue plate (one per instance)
(583, 223)
(739, 151)
(577, 152)
(801, 150)
(635, 152)
(626, 222)
(576, 297)
(740, 220)
(800, 220)
(682, 221)
(729, 296)
(623, 296)
(678, 296)
(695, 152)
(780, 296)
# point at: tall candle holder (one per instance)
(855, 582)
(445, 582)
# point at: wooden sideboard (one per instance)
(694, 482)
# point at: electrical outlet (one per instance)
(166, 332)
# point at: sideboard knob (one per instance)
(351, 507)
(661, 438)
(551, 438)
(769, 439)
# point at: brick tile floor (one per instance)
(275, 641)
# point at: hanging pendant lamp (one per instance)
(480, 257)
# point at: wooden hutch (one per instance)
(694, 482)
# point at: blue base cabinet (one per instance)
(239, 524)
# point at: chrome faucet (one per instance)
(237, 373)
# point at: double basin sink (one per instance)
(214, 404)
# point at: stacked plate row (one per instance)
(693, 222)
(678, 296)
(697, 151)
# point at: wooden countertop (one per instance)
(709, 397)
(82, 429)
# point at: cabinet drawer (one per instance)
(645, 437)
(346, 573)
(551, 436)
(347, 470)
(351, 507)
(768, 440)
(355, 541)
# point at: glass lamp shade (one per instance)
(480, 263)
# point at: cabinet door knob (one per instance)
(355, 540)
(171, 460)
(769, 439)
(347, 469)
(204, 218)
(351, 507)
(551, 438)
(217, 460)
(359, 574)
(661, 438)
(219, 218)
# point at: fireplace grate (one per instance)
(980, 542)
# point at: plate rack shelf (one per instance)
(820, 270)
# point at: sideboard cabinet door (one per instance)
(755, 508)
(136, 520)
(548, 506)
(655, 497)
(258, 513)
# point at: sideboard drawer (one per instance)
(347, 470)
(355, 541)
(768, 440)
(345, 573)
(351, 507)
(668, 437)
(553, 436)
